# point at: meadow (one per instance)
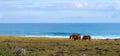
(58, 47)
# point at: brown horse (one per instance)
(75, 36)
(86, 37)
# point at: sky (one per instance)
(59, 11)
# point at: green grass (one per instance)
(55, 46)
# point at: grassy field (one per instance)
(58, 47)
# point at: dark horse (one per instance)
(75, 36)
(86, 37)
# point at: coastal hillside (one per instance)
(21, 46)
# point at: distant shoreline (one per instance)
(54, 37)
(54, 30)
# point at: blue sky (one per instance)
(59, 11)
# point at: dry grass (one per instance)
(58, 47)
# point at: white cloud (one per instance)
(19, 4)
(29, 12)
(117, 2)
(102, 6)
(90, 5)
(21, 14)
(36, 5)
(60, 5)
(79, 5)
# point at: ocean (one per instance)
(61, 30)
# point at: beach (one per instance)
(41, 46)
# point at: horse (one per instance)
(86, 37)
(75, 36)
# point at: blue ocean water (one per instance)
(96, 30)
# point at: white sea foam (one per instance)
(105, 37)
(47, 36)
(55, 36)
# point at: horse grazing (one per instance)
(75, 36)
(86, 37)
